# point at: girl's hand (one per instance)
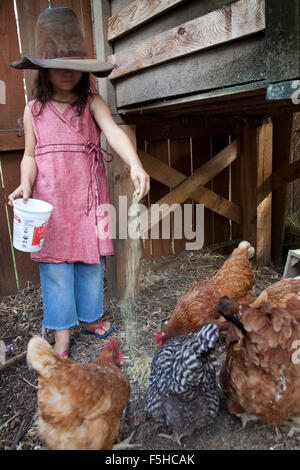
(140, 179)
(24, 190)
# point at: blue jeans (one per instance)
(71, 292)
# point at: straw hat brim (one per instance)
(94, 66)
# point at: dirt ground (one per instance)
(161, 283)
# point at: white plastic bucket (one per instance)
(30, 223)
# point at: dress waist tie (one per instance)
(99, 155)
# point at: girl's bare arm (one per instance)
(28, 163)
(120, 142)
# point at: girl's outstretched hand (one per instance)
(140, 179)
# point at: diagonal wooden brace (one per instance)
(192, 186)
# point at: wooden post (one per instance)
(248, 183)
(264, 208)
(282, 140)
(256, 168)
(122, 186)
(101, 12)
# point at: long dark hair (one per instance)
(43, 91)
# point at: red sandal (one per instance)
(66, 353)
(92, 330)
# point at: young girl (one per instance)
(63, 165)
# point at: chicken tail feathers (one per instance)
(40, 356)
(229, 310)
(250, 249)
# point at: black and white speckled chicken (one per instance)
(182, 391)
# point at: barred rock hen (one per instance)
(198, 306)
(182, 385)
(79, 404)
(261, 373)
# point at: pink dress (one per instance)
(71, 176)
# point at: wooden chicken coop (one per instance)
(206, 90)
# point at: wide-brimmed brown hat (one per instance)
(59, 44)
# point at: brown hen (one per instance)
(198, 306)
(261, 373)
(80, 405)
(281, 293)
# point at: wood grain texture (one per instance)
(172, 178)
(136, 14)
(282, 147)
(8, 282)
(264, 208)
(123, 186)
(230, 65)
(256, 168)
(12, 139)
(208, 171)
(238, 20)
(159, 149)
(201, 153)
(101, 11)
(26, 268)
(220, 186)
(180, 160)
(249, 183)
(9, 51)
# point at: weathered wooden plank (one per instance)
(150, 128)
(8, 282)
(200, 177)
(237, 20)
(264, 208)
(254, 93)
(239, 63)
(286, 174)
(160, 246)
(26, 268)
(14, 104)
(248, 183)
(282, 145)
(136, 14)
(101, 11)
(12, 139)
(256, 164)
(180, 159)
(122, 187)
(282, 40)
(172, 178)
(220, 185)
(201, 153)
(235, 195)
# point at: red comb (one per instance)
(112, 344)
